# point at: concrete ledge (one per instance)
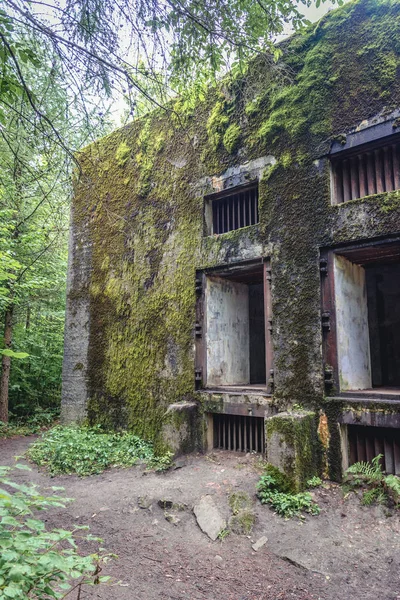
(248, 404)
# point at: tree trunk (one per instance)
(6, 365)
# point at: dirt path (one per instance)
(347, 552)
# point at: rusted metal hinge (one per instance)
(326, 320)
(271, 379)
(199, 286)
(323, 266)
(328, 377)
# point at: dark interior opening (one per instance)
(383, 296)
(239, 433)
(257, 333)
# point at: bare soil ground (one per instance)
(347, 552)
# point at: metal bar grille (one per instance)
(369, 172)
(237, 210)
(367, 442)
(240, 434)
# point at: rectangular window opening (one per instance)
(238, 328)
(372, 169)
(367, 442)
(239, 433)
(231, 209)
(367, 298)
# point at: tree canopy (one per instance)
(144, 49)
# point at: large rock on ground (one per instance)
(208, 517)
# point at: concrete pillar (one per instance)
(293, 446)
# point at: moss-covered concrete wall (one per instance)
(138, 231)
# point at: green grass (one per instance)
(89, 451)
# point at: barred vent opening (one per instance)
(371, 171)
(235, 210)
(367, 442)
(241, 434)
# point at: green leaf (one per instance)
(12, 354)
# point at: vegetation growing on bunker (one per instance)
(122, 154)
(231, 138)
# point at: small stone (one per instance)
(172, 519)
(260, 543)
(144, 502)
(218, 558)
(179, 464)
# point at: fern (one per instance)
(392, 485)
(374, 496)
(381, 488)
(370, 472)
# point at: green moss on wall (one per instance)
(217, 124)
(231, 138)
(122, 154)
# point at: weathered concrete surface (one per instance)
(208, 517)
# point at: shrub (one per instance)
(378, 488)
(274, 489)
(38, 420)
(314, 482)
(88, 451)
(37, 563)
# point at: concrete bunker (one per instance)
(134, 311)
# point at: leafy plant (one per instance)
(314, 482)
(368, 472)
(373, 496)
(36, 563)
(273, 490)
(89, 450)
(223, 534)
(378, 488)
